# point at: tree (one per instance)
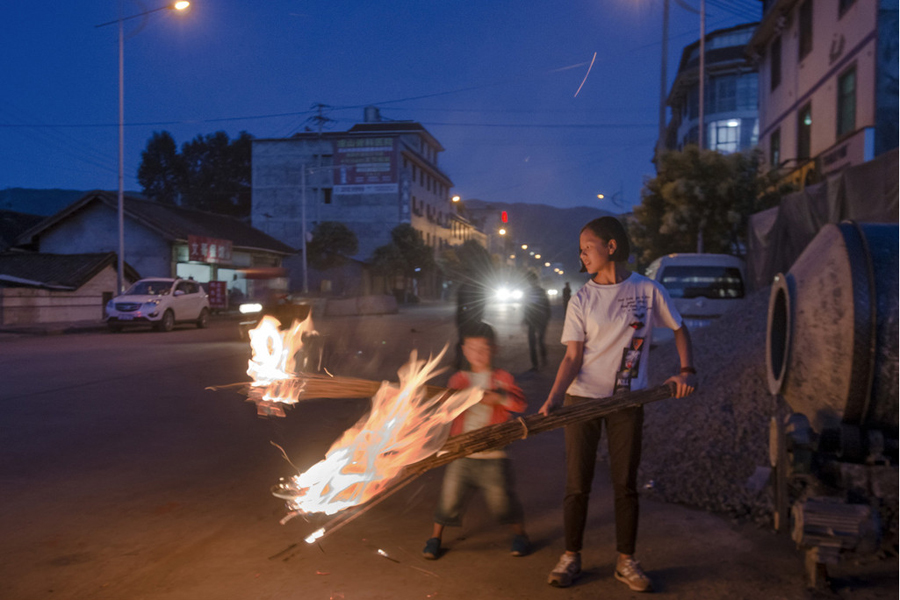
(212, 173)
(701, 199)
(405, 256)
(217, 174)
(331, 243)
(161, 168)
(469, 261)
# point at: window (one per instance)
(804, 131)
(775, 148)
(326, 198)
(806, 28)
(703, 281)
(846, 103)
(775, 62)
(724, 136)
(844, 6)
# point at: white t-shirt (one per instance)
(615, 321)
(479, 415)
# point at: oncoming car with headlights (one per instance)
(161, 303)
(506, 293)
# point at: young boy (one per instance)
(490, 471)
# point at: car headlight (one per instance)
(250, 308)
(516, 294)
(552, 292)
(503, 294)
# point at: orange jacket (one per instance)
(501, 381)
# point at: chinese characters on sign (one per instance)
(209, 250)
(218, 297)
(367, 166)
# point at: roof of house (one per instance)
(55, 271)
(172, 222)
(13, 224)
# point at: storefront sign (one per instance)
(209, 250)
(218, 295)
(365, 162)
(856, 149)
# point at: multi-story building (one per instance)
(828, 84)
(372, 177)
(730, 118)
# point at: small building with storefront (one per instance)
(161, 241)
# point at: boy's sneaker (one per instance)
(520, 546)
(566, 570)
(432, 549)
(629, 572)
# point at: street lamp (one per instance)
(179, 6)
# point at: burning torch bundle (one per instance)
(405, 433)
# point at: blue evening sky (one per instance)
(494, 81)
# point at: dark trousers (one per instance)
(536, 346)
(623, 430)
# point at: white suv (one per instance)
(702, 287)
(159, 302)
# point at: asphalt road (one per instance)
(121, 477)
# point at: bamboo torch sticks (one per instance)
(497, 436)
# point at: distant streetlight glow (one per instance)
(537, 256)
(181, 5)
(455, 198)
(512, 255)
(502, 231)
(546, 264)
(601, 196)
(524, 246)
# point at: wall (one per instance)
(837, 44)
(25, 306)
(95, 229)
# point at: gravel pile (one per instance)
(710, 450)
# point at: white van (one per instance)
(702, 286)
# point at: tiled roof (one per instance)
(69, 271)
(13, 224)
(175, 223)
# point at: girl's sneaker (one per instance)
(520, 546)
(566, 570)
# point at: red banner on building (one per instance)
(218, 294)
(209, 250)
(365, 163)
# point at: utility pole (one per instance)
(702, 71)
(663, 83)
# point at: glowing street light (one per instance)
(537, 256)
(546, 264)
(455, 199)
(502, 231)
(179, 6)
(601, 196)
(524, 246)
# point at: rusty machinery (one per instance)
(831, 354)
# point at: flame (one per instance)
(273, 363)
(403, 426)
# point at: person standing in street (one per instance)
(605, 331)
(566, 296)
(537, 316)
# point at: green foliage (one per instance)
(161, 168)
(405, 255)
(331, 243)
(466, 262)
(212, 172)
(700, 195)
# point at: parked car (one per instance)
(702, 286)
(160, 303)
